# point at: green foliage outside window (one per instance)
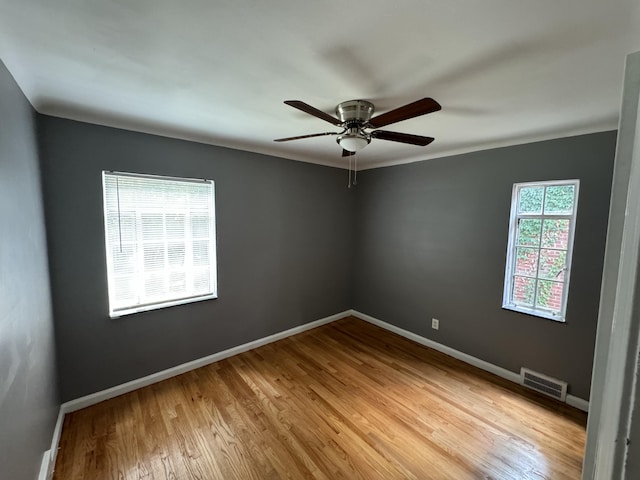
(547, 239)
(556, 198)
(559, 199)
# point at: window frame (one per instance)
(510, 266)
(213, 263)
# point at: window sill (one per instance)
(535, 313)
(157, 306)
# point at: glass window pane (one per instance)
(555, 233)
(549, 295)
(124, 259)
(152, 226)
(154, 285)
(559, 199)
(176, 195)
(175, 225)
(200, 225)
(121, 228)
(530, 200)
(201, 253)
(552, 264)
(124, 290)
(153, 256)
(526, 261)
(523, 290)
(202, 280)
(199, 196)
(176, 254)
(177, 282)
(529, 232)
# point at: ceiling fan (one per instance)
(354, 117)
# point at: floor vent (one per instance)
(543, 384)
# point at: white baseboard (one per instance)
(476, 362)
(579, 403)
(44, 466)
(112, 392)
(49, 457)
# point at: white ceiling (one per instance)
(217, 71)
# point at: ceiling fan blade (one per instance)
(402, 137)
(415, 109)
(306, 108)
(347, 153)
(305, 136)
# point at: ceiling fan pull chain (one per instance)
(355, 169)
(349, 182)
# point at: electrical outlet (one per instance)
(435, 323)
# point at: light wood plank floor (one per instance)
(344, 401)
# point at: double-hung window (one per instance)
(541, 231)
(160, 241)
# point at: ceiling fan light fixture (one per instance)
(353, 142)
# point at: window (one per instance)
(160, 241)
(543, 217)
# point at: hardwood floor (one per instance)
(347, 400)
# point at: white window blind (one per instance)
(160, 241)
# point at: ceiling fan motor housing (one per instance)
(354, 111)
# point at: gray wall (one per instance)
(284, 251)
(431, 241)
(28, 394)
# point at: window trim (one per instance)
(511, 249)
(120, 312)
